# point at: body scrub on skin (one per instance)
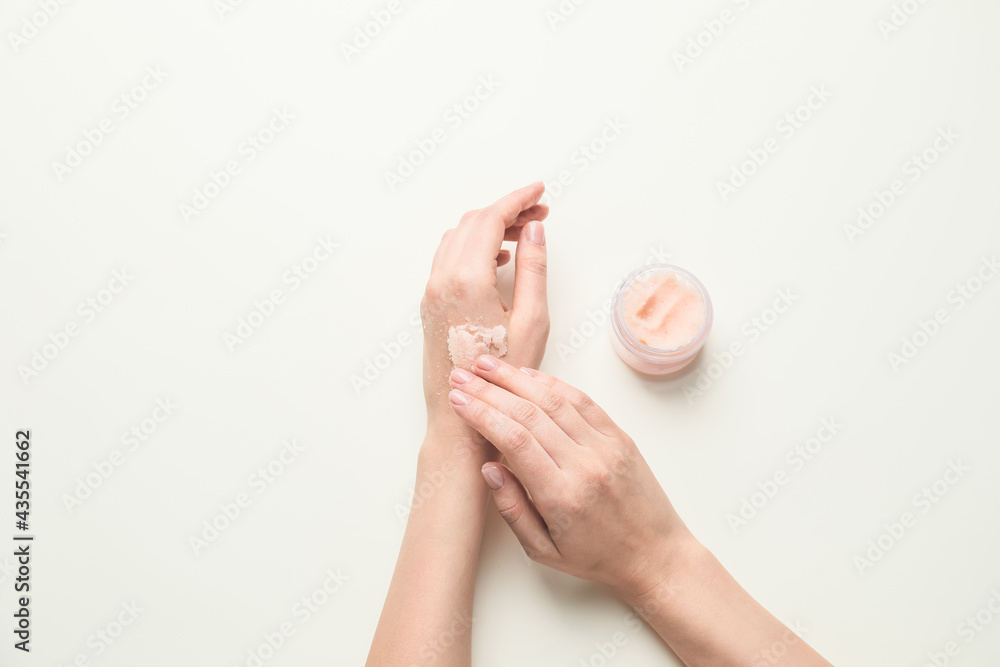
(660, 319)
(468, 341)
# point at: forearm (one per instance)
(427, 617)
(707, 618)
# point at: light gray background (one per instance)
(653, 192)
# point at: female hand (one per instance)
(462, 290)
(431, 594)
(595, 509)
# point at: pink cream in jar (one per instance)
(660, 319)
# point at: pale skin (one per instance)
(575, 490)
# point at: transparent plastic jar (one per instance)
(642, 357)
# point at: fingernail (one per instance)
(493, 477)
(535, 233)
(460, 376)
(458, 397)
(487, 363)
(530, 372)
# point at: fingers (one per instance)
(545, 432)
(582, 403)
(530, 268)
(551, 402)
(528, 458)
(483, 231)
(503, 257)
(537, 212)
(519, 512)
(518, 201)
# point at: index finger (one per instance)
(483, 233)
(553, 403)
(511, 206)
(528, 459)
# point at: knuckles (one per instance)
(453, 287)
(524, 413)
(510, 510)
(476, 412)
(573, 504)
(583, 402)
(619, 463)
(537, 265)
(551, 402)
(594, 481)
(601, 478)
(516, 438)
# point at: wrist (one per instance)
(454, 441)
(443, 425)
(664, 574)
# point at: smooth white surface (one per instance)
(652, 193)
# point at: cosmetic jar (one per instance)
(660, 319)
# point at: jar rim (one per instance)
(647, 352)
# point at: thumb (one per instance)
(519, 512)
(530, 268)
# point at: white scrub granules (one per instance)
(468, 341)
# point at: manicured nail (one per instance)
(530, 372)
(458, 397)
(460, 376)
(487, 363)
(493, 477)
(535, 233)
